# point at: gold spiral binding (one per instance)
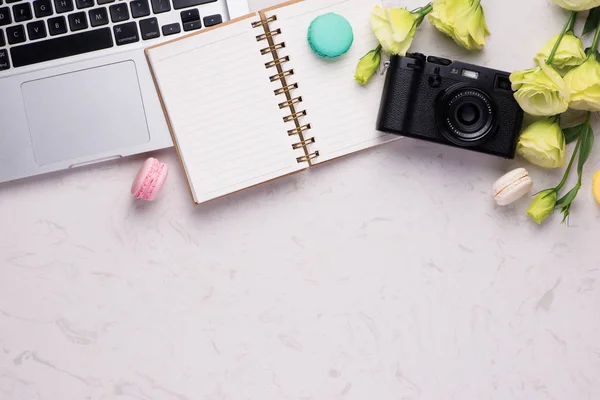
(270, 49)
(286, 87)
(295, 116)
(268, 35)
(266, 21)
(277, 62)
(308, 157)
(291, 102)
(281, 75)
(303, 143)
(299, 130)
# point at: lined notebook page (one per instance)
(222, 109)
(342, 113)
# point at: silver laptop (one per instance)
(75, 87)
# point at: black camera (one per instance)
(452, 103)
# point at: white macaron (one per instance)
(512, 186)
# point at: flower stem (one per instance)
(572, 24)
(377, 51)
(568, 170)
(422, 12)
(426, 10)
(570, 21)
(595, 42)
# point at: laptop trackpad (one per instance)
(85, 113)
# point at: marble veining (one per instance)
(388, 275)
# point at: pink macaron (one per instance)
(149, 180)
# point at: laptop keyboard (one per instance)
(45, 30)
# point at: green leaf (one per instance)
(566, 211)
(587, 142)
(568, 198)
(592, 21)
(573, 133)
(565, 202)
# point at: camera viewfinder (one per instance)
(503, 83)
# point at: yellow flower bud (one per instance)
(543, 144)
(569, 54)
(578, 5)
(367, 66)
(542, 205)
(462, 20)
(540, 91)
(583, 83)
(395, 28)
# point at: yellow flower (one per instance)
(596, 186)
(540, 91)
(542, 205)
(578, 5)
(569, 54)
(462, 20)
(367, 66)
(543, 144)
(395, 28)
(583, 83)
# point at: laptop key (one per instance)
(64, 46)
(84, 3)
(4, 62)
(22, 12)
(126, 33)
(78, 21)
(160, 6)
(12, 1)
(100, 2)
(139, 8)
(36, 30)
(190, 15)
(177, 4)
(57, 25)
(212, 20)
(119, 12)
(171, 29)
(2, 42)
(98, 16)
(63, 6)
(149, 28)
(42, 8)
(5, 17)
(192, 26)
(15, 34)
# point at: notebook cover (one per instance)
(255, 16)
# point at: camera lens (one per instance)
(465, 115)
(468, 114)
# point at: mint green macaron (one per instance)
(330, 35)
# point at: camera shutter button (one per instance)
(435, 80)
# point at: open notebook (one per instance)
(248, 101)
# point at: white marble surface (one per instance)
(389, 275)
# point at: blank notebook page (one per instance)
(342, 113)
(223, 112)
